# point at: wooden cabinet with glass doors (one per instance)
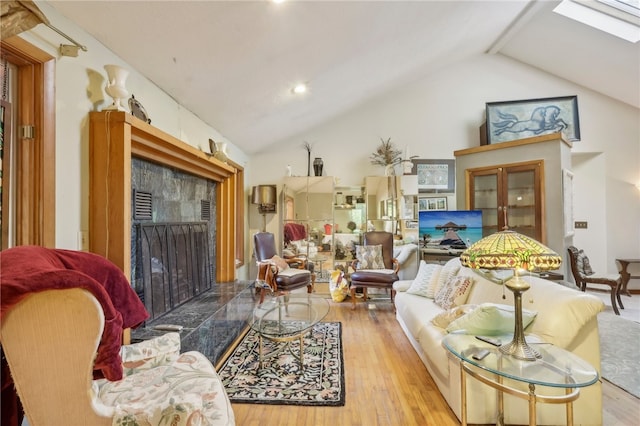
(509, 195)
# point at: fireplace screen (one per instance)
(175, 264)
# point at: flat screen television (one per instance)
(453, 228)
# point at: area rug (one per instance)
(282, 380)
(619, 343)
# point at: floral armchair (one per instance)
(50, 340)
(61, 323)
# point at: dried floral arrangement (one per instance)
(386, 154)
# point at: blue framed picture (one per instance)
(511, 120)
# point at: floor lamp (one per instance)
(511, 250)
(264, 196)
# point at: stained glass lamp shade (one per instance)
(511, 250)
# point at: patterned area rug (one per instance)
(282, 381)
(619, 343)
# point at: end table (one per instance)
(572, 374)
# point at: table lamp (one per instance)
(266, 199)
(510, 250)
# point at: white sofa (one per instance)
(407, 256)
(565, 317)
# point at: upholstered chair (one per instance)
(375, 266)
(584, 276)
(274, 272)
(50, 339)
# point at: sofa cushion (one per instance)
(370, 257)
(424, 282)
(490, 319)
(187, 391)
(449, 269)
(444, 318)
(454, 292)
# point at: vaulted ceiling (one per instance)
(234, 63)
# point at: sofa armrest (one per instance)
(150, 353)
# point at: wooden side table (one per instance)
(625, 275)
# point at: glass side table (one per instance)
(557, 368)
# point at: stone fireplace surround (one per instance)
(212, 320)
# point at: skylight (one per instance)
(620, 18)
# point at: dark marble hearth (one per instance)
(211, 321)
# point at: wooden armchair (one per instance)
(584, 275)
(375, 266)
(274, 272)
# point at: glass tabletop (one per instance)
(556, 368)
(289, 315)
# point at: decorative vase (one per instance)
(221, 152)
(317, 166)
(389, 170)
(116, 77)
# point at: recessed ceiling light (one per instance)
(278, 1)
(300, 88)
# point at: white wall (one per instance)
(442, 112)
(79, 89)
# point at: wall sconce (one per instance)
(265, 197)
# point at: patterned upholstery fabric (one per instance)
(454, 292)
(150, 353)
(370, 257)
(187, 391)
(584, 265)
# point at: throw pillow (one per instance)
(583, 263)
(444, 318)
(424, 281)
(450, 269)
(279, 263)
(370, 257)
(454, 292)
(490, 319)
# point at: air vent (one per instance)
(205, 210)
(142, 205)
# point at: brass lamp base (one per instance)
(518, 347)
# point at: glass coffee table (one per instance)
(557, 368)
(286, 318)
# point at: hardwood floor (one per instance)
(387, 384)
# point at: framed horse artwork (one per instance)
(511, 120)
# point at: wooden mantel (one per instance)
(114, 138)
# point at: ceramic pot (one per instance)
(318, 164)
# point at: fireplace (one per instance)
(172, 237)
(122, 202)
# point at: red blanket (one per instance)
(294, 232)
(28, 269)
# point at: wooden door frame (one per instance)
(35, 165)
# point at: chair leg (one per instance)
(613, 302)
(353, 298)
(618, 290)
(262, 291)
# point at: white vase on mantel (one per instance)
(116, 78)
